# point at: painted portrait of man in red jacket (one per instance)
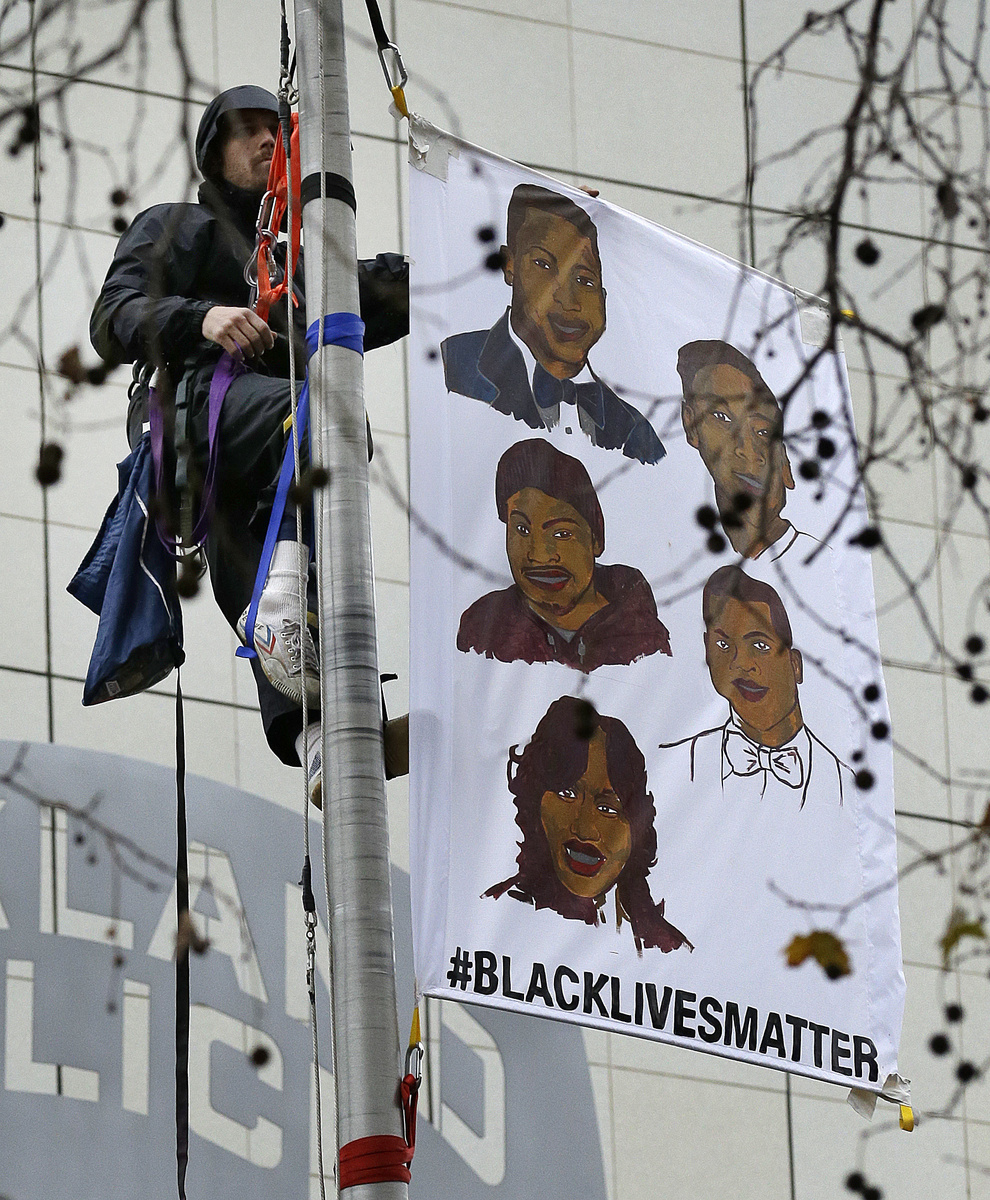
(563, 606)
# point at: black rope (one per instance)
(335, 187)
(182, 951)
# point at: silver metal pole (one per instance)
(355, 843)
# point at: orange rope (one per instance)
(278, 188)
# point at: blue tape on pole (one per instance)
(339, 329)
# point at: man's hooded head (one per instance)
(235, 113)
(555, 272)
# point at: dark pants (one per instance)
(251, 444)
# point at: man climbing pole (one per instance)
(175, 298)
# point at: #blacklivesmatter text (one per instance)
(679, 1013)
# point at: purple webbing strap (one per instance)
(224, 374)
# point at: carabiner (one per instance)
(414, 1061)
(397, 77)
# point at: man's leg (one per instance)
(252, 440)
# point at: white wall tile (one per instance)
(210, 644)
(389, 508)
(769, 23)
(73, 624)
(374, 164)
(23, 707)
(666, 22)
(393, 641)
(929, 990)
(978, 1152)
(667, 1156)
(798, 142)
(970, 1040)
(601, 1090)
(657, 133)
(143, 727)
(617, 98)
(91, 430)
(22, 598)
(827, 1148)
(20, 493)
(917, 715)
(925, 891)
(149, 62)
(471, 57)
(256, 768)
(894, 446)
(712, 224)
(120, 139)
(536, 11)
(385, 388)
(906, 586)
(965, 567)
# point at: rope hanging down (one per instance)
(270, 217)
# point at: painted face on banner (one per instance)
(736, 432)
(755, 671)
(551, 552)
(558, 303)
(589, 836)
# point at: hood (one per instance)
(245, 96)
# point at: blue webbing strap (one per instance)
(339, 329)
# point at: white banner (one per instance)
(650, 741)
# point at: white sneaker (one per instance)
(313, 760)
(282, 652)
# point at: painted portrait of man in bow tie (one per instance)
(765, 744)
(533, 363)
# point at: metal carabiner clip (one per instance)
(397, 76)
(414, 1061)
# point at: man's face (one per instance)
(738, 436)
(551, 552)
(588, 834)
(558, 303)
(248, 146)
(753, 669)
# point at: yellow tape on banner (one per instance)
(414, 1038)
(907, 1118)
(399, 96)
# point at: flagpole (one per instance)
(355, 842)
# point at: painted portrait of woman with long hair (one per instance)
(587, 821)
